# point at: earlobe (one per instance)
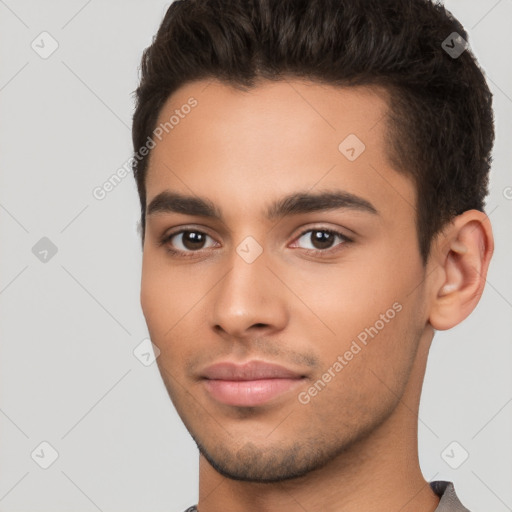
(463, 256)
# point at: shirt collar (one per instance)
(449, 501)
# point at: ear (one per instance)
(460, 259)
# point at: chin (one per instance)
(251, 463)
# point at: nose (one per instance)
(249, 300)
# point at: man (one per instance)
(312, 177)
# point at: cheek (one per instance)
(162, 298)
(360, 381)
(152, 295)
(371, 316)
(344, 301)
(172, 306)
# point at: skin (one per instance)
(353, 446)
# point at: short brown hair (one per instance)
(440, 124)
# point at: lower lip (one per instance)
(249, 393)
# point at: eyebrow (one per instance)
(293, 204)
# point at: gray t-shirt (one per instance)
(449, 501)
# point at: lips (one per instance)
(253, 370)
(249, 385)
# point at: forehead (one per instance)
(274, 139)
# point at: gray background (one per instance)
(70, 324)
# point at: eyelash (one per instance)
(316, 252)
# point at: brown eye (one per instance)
(321, 239)
(187, 241)
(193, 240)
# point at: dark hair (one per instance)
(440, 124)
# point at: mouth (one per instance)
(251, 384)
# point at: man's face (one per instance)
(346, 317)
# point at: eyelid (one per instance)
(323, 227)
